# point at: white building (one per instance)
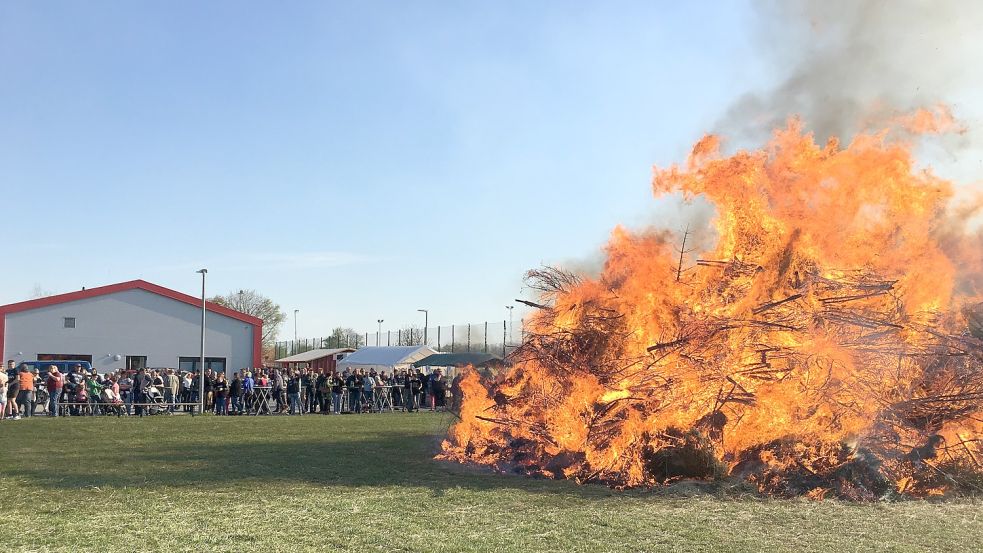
(129, 325)
(385, 358)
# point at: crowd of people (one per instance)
(249, 391)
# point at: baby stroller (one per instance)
(155, 401)
(112, 403)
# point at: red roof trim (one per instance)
(122, 287)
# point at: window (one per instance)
(190, 364)
(136, 362)
(69, 322)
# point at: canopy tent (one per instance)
(386, 358)
(461, 360)
(308, 356)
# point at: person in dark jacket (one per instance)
(141, 381)
(235, 395)
(412, 389)
(294, 384)
(438, 387)
(209, 389)
(337, 388)
(354, 385)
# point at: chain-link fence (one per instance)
(498, 337)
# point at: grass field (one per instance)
(368, 483)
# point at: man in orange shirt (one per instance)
(25, 397)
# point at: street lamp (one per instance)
(425, 315)
(510, 308)
(378, 333)
(201, 366)
(295, 326)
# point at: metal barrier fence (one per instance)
(498, 337)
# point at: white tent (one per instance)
(385, 358)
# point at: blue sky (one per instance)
(354, 160)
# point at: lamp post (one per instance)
(295, 327)
(378, 333)
(510, 308)
(425, 315)
(201, 366)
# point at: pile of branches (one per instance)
(672, 408)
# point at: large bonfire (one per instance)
(825, 346)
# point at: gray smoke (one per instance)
(846, 66)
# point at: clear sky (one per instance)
(354, 160)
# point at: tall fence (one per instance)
(498, 337)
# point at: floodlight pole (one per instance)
(378, 333)
(201, 367)
(425, 315)
(510, 308)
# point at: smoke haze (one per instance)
(845, 66)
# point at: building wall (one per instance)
(131, 322)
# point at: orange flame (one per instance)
(821, 344)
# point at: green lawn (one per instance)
(368, 483)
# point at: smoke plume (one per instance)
(848, 65)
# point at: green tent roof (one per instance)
(460, 360)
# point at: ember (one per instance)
(824, 347)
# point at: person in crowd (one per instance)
(93, 390)
(279, 390)
(421, 390)
(111, 395)
(209, 389)
(397, 383)
(37, 387)
(310, 392)
(411, 389)
(3, 394)
(368, 391)
(248, 393)
(220, 389)
(125, 385)
(294, 384)
(187, 397)
(456, 391)
(302, 375)
(354, 385)
(322, 397)
(82, 398)
(25, 394)
(235, 395)
(13, 392)
(54, 384)
(337, 385)
(172, 386)
(196, 395)
(438, 390)
(72, 385)
(140, 384)
(157, 380)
